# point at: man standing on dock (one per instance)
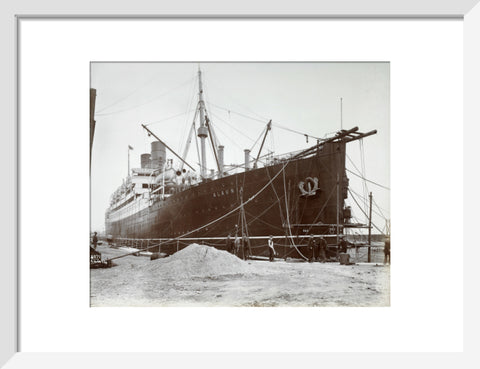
(246, 248)
(95, 240)
(229, 245)
(236, 245)
(311, 248)
(386, 251)
(323, 249)
(271, 250)
(343, 245)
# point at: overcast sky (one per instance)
(304, 97)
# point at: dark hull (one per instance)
(266, 214)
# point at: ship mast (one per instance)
(202, 130)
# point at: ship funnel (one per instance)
(220, 159)
(247, 159)
(159, 154)
(145, 160)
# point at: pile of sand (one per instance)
(199, 261)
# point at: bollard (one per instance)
(344, 258)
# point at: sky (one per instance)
(240, 100)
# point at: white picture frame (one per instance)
(469, 10)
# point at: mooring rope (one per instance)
(218, 219)
(288, 218)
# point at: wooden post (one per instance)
(177, 244)
(338, 210)
(370, 230)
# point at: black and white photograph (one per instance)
(242, 184)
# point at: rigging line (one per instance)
(265, 121)
(262, 221)
(379, 208)
(168, 118)
(225, 93)
(363, 177)
(373, 210)
(272, 140)
(353, 197)
(258, 139)
(334, 188)
(365, 191)
(228, 137)
(263, 212)
(207, 114)
(127, 96)
(294, 131)
(351, 161)
(183, 144)
(146, 102)
(364, 173)
(188, 107)
(375, 183)
(282, 218)
(212, 128)
(305, 202)
(188, 142)
(361, 197)
(288, 218)
(235, 144)
(241, 114)
(196, 145)
(231, 126)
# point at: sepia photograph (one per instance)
(243, 184)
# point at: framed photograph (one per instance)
(218, 189)
(181, 185)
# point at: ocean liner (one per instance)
(288, 196)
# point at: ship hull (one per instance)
(290, 198)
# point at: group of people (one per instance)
(317, 248)
(240, 246)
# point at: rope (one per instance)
(365, 179)
(181, 143)
(258, 139)
(364, 183)
(373, 210)
(147, 102)
(150, 80)
(218, 219)
(168, 118)
(353, 197)
(231, 126)
(264, 122)
(379, 208)
(227, 93)
(288, 219)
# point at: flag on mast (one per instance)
(129, 148)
